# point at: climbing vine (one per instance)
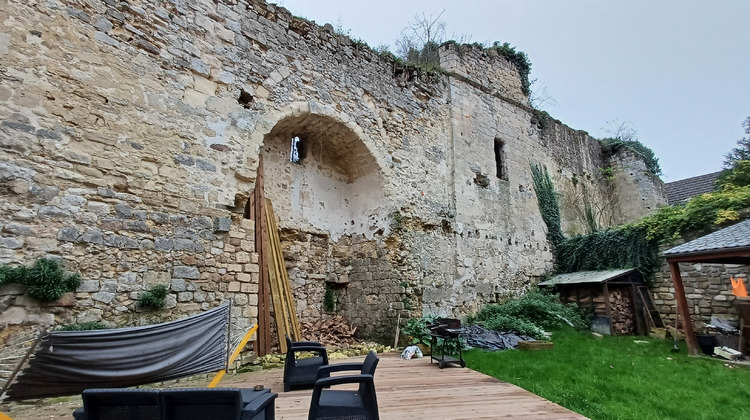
(519, 59)
(608, 249)
(635, 146)
(548, 205)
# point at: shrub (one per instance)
(10, 274)
(85, 326)
(417, 331)
(154, 298)
(531, 314)
(45, 280)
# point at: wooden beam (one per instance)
(682, 306)
(256, 212)
(605, 290)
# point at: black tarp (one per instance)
(67, 362)
(476, 336)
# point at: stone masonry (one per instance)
(130, 138)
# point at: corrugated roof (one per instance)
(585, 277)
(685, 189)
(732, 237)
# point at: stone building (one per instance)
(130, 137)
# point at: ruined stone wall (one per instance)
(130, 138)
(638, 191)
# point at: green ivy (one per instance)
(548, 205)
(45, 280)
(635, 146)
(609, 249)
(154, 298)
(519, 59)
(703, 212)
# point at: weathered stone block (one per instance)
(179, 285)
(222, 224)
(93, 236)
(69, 234)
(88, 286)
(104, 297)
(186, 272)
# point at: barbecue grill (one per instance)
(447, 329)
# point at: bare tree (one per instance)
(540, 98)
(420, 40)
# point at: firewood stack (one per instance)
(334, 332)
(623, 313)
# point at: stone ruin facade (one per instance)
(130, 138)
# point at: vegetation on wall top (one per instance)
(635, 146)
(519, 59)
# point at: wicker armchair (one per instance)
(119, 404)
(302, 372)
(361, 404)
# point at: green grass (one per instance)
(618, 378)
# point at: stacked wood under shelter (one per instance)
(619, 299)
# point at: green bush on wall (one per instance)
(154, 298)
(45, 280)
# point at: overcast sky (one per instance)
(678, 70)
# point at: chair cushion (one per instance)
(334, 398)
(121, 404)
(201, 404)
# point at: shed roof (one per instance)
(685, 189)
(586, 277)
(732, 238)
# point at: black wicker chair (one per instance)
(302, 372)
(119, 404)
(361, 404)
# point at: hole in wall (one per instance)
(245, 99)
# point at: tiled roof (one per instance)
(585, 277)
(735, 236)
(685, 189)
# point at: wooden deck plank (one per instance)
(415, 389)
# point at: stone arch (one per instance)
(337, 187)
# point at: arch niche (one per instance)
(335, 189)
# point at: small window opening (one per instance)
(500, 159)
(297, 152)
(245, 99)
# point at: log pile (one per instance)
(623, 313)
(333, 332)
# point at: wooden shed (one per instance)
(619, 299)
(730, 245)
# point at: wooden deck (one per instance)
(414, 389)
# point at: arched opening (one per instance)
(322, 178)
(327, 194)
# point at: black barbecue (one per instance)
(447, 329)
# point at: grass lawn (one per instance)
(623, 378)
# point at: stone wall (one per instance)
(131, 134)
(708, 291)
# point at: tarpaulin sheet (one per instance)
(476, 336)
(67, 362)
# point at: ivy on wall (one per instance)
(519, 59)
(609, 249)
(635, 146)
(548, 205)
